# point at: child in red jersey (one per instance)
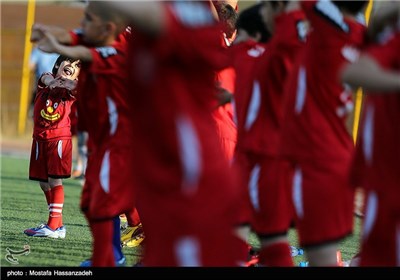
(314, 136)
(376, 164)
(104, 113)
(259, 123)
(51, 153)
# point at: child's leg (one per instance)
(133, 218)
(103, 253)
(47, 192)
(56, 204)
(117, 239)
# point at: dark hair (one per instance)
(228, 17)
(274, 4)
(60, 60)
(352, 7)
(251, 20)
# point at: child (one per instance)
(51, 154)
(375, 166)
(103, 112)
(314, 134)
(259, 123)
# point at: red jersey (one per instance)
(102, 95)
(245, 56)
(51, 112)
(378, 150)
(264, 116)
(173, 96)
(318, 104)
(223, 115)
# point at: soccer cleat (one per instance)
(134, 241)
(119, 263)
(252, 260)
(131, 232)
(61, 231)
(43, 230)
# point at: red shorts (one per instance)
(241, 165)
(381, 224)
(108, 191)
(323, 201)
(267, 188)
(50, 159)
(191, 230)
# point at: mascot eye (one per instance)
(47, 102)
(55, 105)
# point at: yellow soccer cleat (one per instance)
(131, 232)
(134, 241)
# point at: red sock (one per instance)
(48, 197)
(56, 206)
(103, 253)
(276, 255)
(133, 218)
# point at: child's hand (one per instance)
(57, 82)
(48, 43)
(70, 84)
(223, 96)
(37, 32)
(60, 82)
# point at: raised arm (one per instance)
(148, 16)
(62, 35)
(367, 73)
(50, 44)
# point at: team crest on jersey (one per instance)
(50, 112)
(192, 14)
(106, 51)
(350, 53)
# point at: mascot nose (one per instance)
(50, 109)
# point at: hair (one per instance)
(251, 20)
(108, 15)
(352, 7)
(60, 60)
(228, 17)
(274, 4)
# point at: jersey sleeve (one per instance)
(76, 37)
(193, 34)
(107, 60)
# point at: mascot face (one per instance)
(50, 113)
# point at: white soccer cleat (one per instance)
(43, 230)
(61, 232)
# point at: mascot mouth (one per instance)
(49, 117)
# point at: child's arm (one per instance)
(368, 74)
(48, 80)
(49, 43)
(62, 35)
(148, 16)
